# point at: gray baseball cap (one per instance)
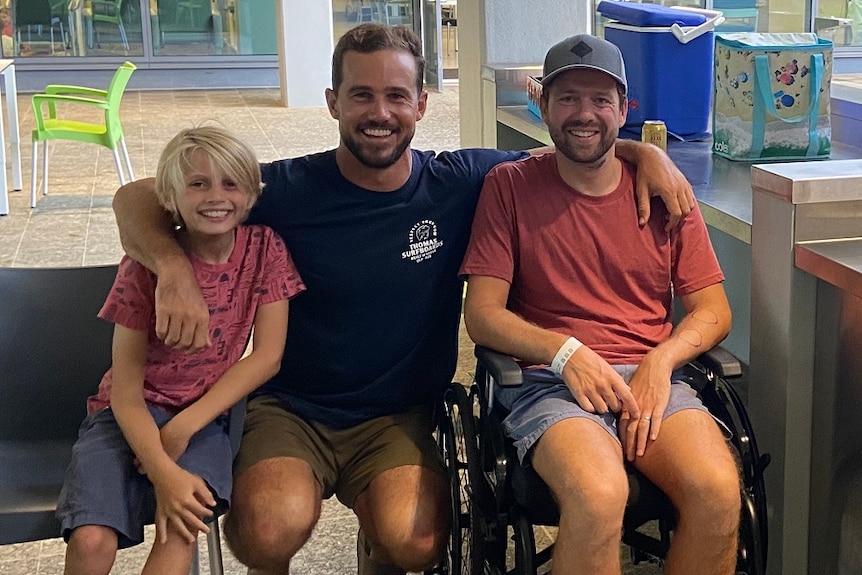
(584, 51)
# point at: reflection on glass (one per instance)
(741, 15)
(39, 28)
(7, 32)
(213, 27)
(348, 13)
(839, 21)
(106, 18)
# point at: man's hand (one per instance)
(658, 176)
(182, 317)
(182, 502)
(596, 386)
(651, 388)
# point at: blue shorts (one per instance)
(103, 486)
(544, 400)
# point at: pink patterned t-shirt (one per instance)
(260, 270)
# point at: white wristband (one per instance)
(565, 352)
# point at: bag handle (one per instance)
(765, 103)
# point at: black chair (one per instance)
(53, 353)
(38, 13)
(493, 495)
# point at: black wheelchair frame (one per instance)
(493, 495)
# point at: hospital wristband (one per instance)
(566, 351)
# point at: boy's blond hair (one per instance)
(232, 155)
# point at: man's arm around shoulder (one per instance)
(147, 235)
(657, 176)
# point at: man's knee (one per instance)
(583, 468)
(599, 501)
(711, 493)
(413, 534)
(273, 541)
(412, 550)
(269, 522)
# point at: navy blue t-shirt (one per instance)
(376, 330)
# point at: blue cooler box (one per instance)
(668, 54)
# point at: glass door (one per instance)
(432, 40)
(213, 27)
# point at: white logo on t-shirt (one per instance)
(422, 241)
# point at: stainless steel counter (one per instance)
(806, 283)
(838, 262)
(827, 223)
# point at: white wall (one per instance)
(305, 52)
(510, 32)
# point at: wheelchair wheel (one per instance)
(459, 445)
(525, 544)
(750, 559)
(724, 402)
(753, 533)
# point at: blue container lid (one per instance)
(645, 15)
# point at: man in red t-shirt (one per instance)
(556, 254)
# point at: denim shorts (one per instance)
(544, 400)
(103, 486)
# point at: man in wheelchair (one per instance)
(557, 253)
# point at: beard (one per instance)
(570, 147)
(372, 157)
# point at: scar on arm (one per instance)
(706, 316)
(692, 336)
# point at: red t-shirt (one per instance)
(580, 265)
(259, 271)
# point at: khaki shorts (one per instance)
(344, 461)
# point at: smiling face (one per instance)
(377, 106)
(584, 112)
(211, 204)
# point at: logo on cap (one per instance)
(581, 49)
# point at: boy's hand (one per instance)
(182, 502)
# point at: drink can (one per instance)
(655, 132)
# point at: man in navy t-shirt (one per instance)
(378, 231)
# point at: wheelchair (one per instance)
(495, 500)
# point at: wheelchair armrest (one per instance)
(507, 373)
(721, 362)
(501, 367)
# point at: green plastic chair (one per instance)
(108, 133)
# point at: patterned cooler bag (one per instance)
(771, 99)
